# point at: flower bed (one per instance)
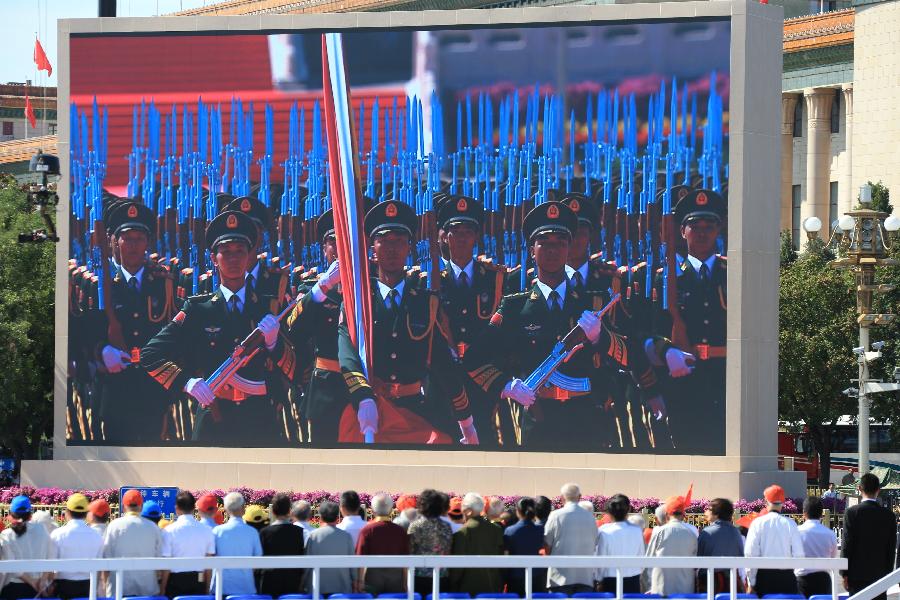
(57, 496)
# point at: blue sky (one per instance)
(20, 20)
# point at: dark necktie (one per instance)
(249, 283)
(133, 285)
(579, 280)
(463, 279)
(555, 305)
(704, 274)
(393, 300)
(235, 305)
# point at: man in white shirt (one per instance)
(818, 542)
(75, 539)
(351, 522)
(773, 535)
(570, 531)
(187, 538)
(620, 538)
(133, 536)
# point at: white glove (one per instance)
(367, 415)
(657, 406)
(269, 327)
(199, 390)
(467, 427)
(517, 391)
(331, 278)
(680, 363)
(591, 325)
(114, 359)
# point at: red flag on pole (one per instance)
(29, 113)
(40, 58)
(346, 198)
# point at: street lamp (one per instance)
(862, 237)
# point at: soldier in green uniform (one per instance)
(409, 344)
(132, 409)
(204, 334)
(696, 402)
(565, 414)
(470, 291)
(270, 281)
(313, 324)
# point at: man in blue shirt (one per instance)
(719, 538)
(525, 538)
(236, 538)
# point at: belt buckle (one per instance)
(703, 351)
(461, 348)
(393, 390)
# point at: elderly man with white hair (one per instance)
(236, 538)
(382, 536)
(478, 537)
(570, 531)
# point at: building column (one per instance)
(818, 153)
(788, 104)
(847, 193)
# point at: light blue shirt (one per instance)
(236, 538)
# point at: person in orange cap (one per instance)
(98, 515)
(674, 538)
(455, 514)
(773, 535)
(207, 507)
(406, 505)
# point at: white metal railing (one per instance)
(315, 564)
(879, 587)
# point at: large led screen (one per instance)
(516, 179)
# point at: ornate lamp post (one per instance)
(862, 238)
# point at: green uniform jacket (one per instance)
(478, 537)
(200, 337)
(408, 346)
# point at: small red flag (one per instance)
(40, 58)
(29, 113)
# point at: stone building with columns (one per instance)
(840, 111)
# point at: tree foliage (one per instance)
(817, 329)
(26, 328)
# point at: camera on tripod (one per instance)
(42, 196)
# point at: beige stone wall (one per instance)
(876, 95)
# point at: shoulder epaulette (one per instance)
(200, 298)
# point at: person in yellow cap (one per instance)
(76, 539)
(256, 516)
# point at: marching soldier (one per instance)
(204, 334)
(701, 280)
(388, 406)
(313, 323)
(132, 409)
(270, 281)
(471, 290)
(565, 414)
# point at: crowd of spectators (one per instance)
(432, 523)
